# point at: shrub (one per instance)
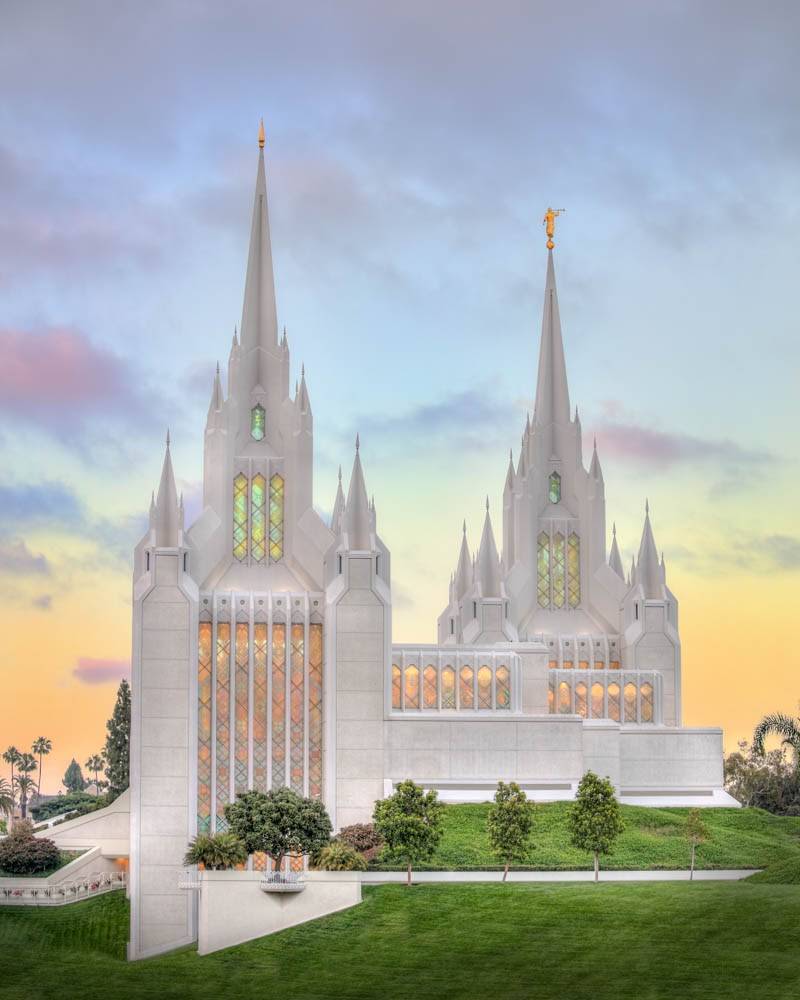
(362, 837)
(339, 857)
(61, 804)
(23, 854)
(217, 852)
(278, 823)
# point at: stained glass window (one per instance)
(258, 422)
(430, 688)
(564, 697)
(580, 700)
(397, 687)
(614, 665)
(412, 687)
(558, 570)
(551, 698)
(315, 658)
(574, 569)
(276, 517)
(543, 569)
(583, 664)
(613, 702)
(566, 665)
(554, 490)
(223, 723)
(204, 728)
(484, 687)
(599, 664)
(466, 694)
(448, 688)
(278, 705)
(297, 731)
(240, 517)
(260, 707)
(553, 664)
(630, 703)
(598, 693)
(241, 710)
(258, 517)
(646, 692)
(502, 689)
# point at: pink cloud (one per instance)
(91, 671)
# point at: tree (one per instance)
(25, 786)
(217, 852)
(696, 833)
(117, 750)
(278, 823)
(6, 798)
(783, 726)
(41, 746)
(594, 820)
(509, 824)
(11, 756)
(764, 780)
(73, 777)
(95, 765)
(410, 822)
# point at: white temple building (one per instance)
(262, 639)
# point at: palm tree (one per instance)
(42, 745)
(778, 724)
(25, 786)
(6, 798)
(95, 764)
(11, 756)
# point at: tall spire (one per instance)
(217, 397)
(648, 568)
(614, 558)
(463, 580)
(166, 517)
(259, 315)
(552, 393)
(338, 507)
(488, 564)
(357, 513)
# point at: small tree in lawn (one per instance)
(73, 777)
(410, 822)
(510, 824)
(595, 821)
(278, 823)
(696, 833)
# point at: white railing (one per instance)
(59, 893)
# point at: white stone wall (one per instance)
(667, 758)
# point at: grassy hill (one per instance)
(653, 838)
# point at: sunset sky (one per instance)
(411, 151)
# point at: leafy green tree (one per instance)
(696, 833)
(509, 824)
(279, 822)
(217, 852)
(73, 777)
(6, 798)
(595, 820)
(11, 756)
(783, 726)
(410, 822)
(339, 857)
(26, 787)
(117, 750)
(42, 747)
(765, 780)
(95, 765)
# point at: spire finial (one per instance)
(358, 441)
(464, 526)
(218, 368)
(262, 138)
(549, 222)
(168, 437)
(614, 529)
(340, 473)
(487, 502)
(646, 506)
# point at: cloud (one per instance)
(648, 446)
(17, 559)
(37, 503)
(749, 553)
(44, 602)
(91, 671)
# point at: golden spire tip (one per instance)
(262, 138)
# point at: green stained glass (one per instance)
(555, 487)
(240, 517)
(258, 518)
(574, 569)
(543, 569)
(258, 422)
(558, 570)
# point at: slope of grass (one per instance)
(643, 941)
(653, 838)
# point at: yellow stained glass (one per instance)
(502, 691)
(260, 749)
(240, 517)
(598, 694)
(558, 570)
(466, 694)
(599, 664)
(297, 708)
(315, 660)
(566, 665)
(553, 664)
(646, 692)
(448, 688)
(583, 664)
(397, 687)
(276, 489)
(551, 698)
(241, 709)
(204, 699)
(581, 706)
(430, 687)
(543, 569)
(574, 570)
(412, 687)
(613, 702)
(630, 702)
(484, 687)
(223, 657)
(614, 665)
(278, 705)
(564, 697)
(258, 517)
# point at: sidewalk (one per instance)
(709, 875)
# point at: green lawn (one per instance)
(653, 838)
(512, 942)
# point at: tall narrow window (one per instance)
(260, 749)
(466, 693)
(397, 687)
(315, 710)
(258, 517)
(646, 692)
(554, 488)
(258, 422)
(613, 702)
(242, 708)
(276, 518)
(564, 698)
(543, 569)
(502, 688)
(574, 570)
(448, 688)
(598, 693)
(204, 700)
(223, 655)
(630, 703)
(430, 687)
(278, 705)
(297, 708)
(412, 687)
(240, 517)
(580, 699)
(558, 570)
(551, 697)
(484, 687)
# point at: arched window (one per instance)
(580, 700)
(574, 570)
(564, 697)
(630, 702)
(646, 692)
(430, 688)
(276, 517)
(551, 698)
(258, 422)
(240, 517)
(258, 518)
(613, 702)
(397, 687)
(502, 688)
(558, 570)
(554, 488)
(598, 693)
(543, 569)
(448, 688)
(466, 694)
(412, 687)
(484, 687)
